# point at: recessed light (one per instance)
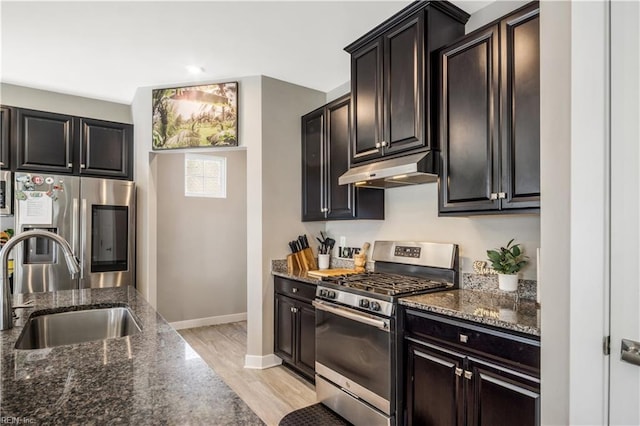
(194, 69)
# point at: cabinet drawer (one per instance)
(297, 289)
(517, 351)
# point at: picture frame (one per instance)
(202, 116)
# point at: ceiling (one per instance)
(106, 50)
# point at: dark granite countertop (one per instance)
(153, 377)
(298, 276)
(498, 310)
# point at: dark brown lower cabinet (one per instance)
(433, 388)
(295, 322)
(501, 396)
(450, 380)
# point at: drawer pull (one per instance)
(464, 338)
(294, 290)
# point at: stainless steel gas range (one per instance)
(356, 354)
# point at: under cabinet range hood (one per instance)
(411, 169)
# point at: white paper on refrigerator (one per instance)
(37, 208)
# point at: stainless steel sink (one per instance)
(77, 326)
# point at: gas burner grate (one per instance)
(386, 283)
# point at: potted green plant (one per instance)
(507, 262)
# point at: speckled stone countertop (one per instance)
(150, 378)
(279, 268)
(503, 311)
(298, 276)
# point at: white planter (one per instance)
(508, 282)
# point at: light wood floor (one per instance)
(270, 393)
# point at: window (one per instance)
(205, 176)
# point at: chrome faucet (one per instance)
(6, 318)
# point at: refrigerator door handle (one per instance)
(83, 239)
(74, 228)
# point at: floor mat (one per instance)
(313, 415)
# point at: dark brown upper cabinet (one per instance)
(325, 157)
(59, 143)
(490, 118)
(4, 137)
(391, 71)
(45, 141)
(106, 148)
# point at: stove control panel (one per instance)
(329, 294)
(404, 251)
(380, 307)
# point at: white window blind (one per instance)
(205, 176)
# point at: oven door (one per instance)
(353, 351)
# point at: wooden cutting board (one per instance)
(331, 272)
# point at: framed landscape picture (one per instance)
(195, 116)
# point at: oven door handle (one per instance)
(352, 314)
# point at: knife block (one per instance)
(293, 265)
(308, 260)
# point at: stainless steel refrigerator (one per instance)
(96, 216)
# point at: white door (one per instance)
(624, 390)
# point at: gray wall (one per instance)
(274, 201)
(492, 12)
(150, 216)
(343, 89)
(202, 243)
(411, 213)
(43, 100)
(555, 181)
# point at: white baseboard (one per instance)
(202, 322)
(258, 362)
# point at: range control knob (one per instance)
(375, 306)
(323, 293)
(331, 294)
(364, 303)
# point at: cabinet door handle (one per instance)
(69, 165)
(459, 371)
(82, 166)
(464, 338)
(502, 195)
(493, 196)
(1, 164)
(468, 375)
(384, 143)
(630, 351)
(294, 290)
(378, 145)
